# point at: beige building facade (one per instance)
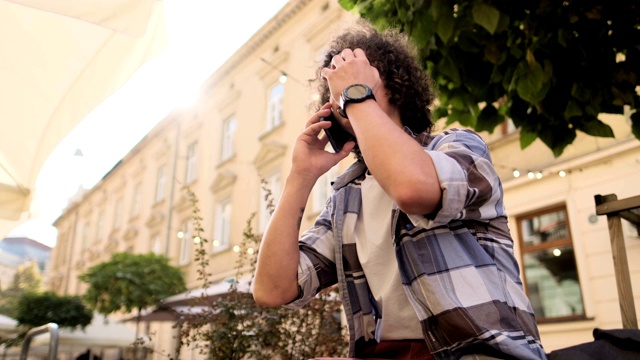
(241, 132)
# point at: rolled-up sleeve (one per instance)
(471, 188)
(317, 269)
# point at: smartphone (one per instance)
(336, 134)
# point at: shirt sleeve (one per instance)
(317, 268)
(471, 188)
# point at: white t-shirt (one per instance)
(376, 253)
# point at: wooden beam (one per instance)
(607, 204)
(614, 209)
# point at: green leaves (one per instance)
(131, 281)
(486, 16)
(66, 311)
(567, 62)
(489, 118)
(532, 80)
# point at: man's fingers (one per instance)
(347, 54)
(325, 110)
(359, 53)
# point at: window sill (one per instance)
(270, 131)
(220, 250)
(157, 203)
(225, 161)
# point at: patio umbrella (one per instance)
(58, 61)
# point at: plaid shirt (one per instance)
(457, 266)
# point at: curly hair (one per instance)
(408, 86)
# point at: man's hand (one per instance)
(348, 68)
(310, 159)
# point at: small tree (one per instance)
(27, 279)
(234, 326)
(130, 282)
(39, 309)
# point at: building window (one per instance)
(136, 200)
(322, 189)
(156, 244)
(222, 231)
(85, 235)
(161, 180)
(274, 112)
(100, 226)
(273, 184)
(228, 138)
(117, 214)
(185, 235)
(192, 164)
(550, 272)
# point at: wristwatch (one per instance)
(355, 93)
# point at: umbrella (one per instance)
(58, 61)
(166, 313)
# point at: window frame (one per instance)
(223, 223)
(547, 245)
(184, 254)
(227, 143)
(161, 180)
(275, 105)
(136, 200)
(191, 166)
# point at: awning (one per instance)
(58, 61)
(194, 297)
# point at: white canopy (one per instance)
(58, 61)
(7, 325)
(98, 334)
(192, 297)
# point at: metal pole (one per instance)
(51, 328)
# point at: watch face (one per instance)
(356, 91)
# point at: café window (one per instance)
(550, 272)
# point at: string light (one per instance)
(538, 174)
(284, 76)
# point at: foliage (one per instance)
(27, 279)
(39, 309)
(233, 326)
(551, 66)
(131, 281)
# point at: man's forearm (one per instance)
(276, 281)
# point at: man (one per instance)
(415, 234)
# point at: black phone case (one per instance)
(336, 134)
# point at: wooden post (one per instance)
(612, 207)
